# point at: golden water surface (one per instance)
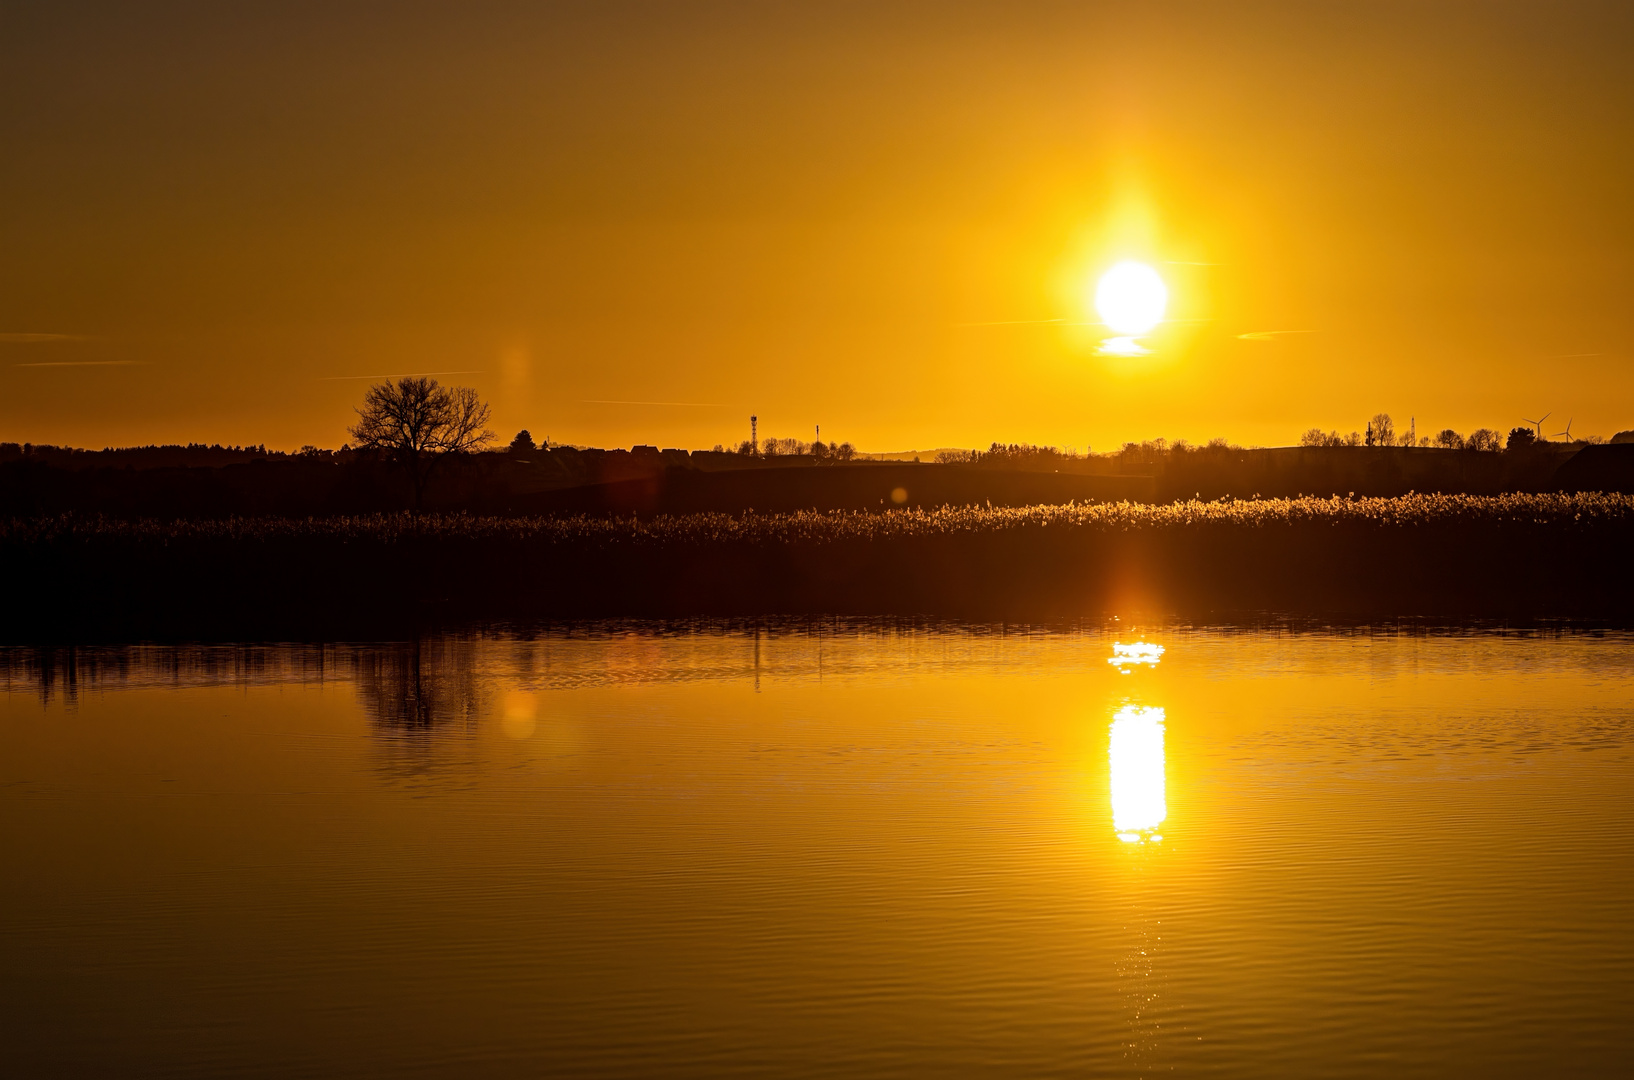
(857, 851)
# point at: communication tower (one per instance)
(754, 438)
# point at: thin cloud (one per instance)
(1069, 322)
(84, 363)
(1267, 335)
(399, 375)
(678, 404)
(1013, 322)
(31, 339)
(1183, 262)
(1122, 346)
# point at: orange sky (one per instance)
(802, 211)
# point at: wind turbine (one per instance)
(1567, 432)
(1538, 423)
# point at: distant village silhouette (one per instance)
(529, 476)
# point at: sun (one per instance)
(1130, 298)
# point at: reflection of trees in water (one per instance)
(63, 673)
(416, 686)
(424, 701)
(51, 672)
(419, 686)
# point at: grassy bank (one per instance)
(1452, 556)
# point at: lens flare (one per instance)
(520, 716)
(1131, 298)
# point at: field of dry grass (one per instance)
(1446, 556)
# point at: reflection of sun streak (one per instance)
(1138, 652)
(1139, 797)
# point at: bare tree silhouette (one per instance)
(1384, 431)
(418, 423)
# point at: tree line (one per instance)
(417, 423)
(1381, 431)
(771, 448)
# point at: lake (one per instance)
(822, 850)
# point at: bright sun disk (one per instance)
(1130, 298)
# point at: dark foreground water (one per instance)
(861, 852)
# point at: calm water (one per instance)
(862, 852)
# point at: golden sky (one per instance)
(882, 218)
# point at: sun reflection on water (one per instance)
(1139, 797)
(1134, 654)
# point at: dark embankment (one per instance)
(1290, 471)
(553, 482)
(212, 483)
(1598, 468)
(1515, 556)
(836, 487)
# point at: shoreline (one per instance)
(1505, 558)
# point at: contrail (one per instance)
(1068, 322)
(399, 375)
(1267, 335)
(682, 404)
(1013, 322)
(27, 338)
(83, 363)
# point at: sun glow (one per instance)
(1130, 298)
